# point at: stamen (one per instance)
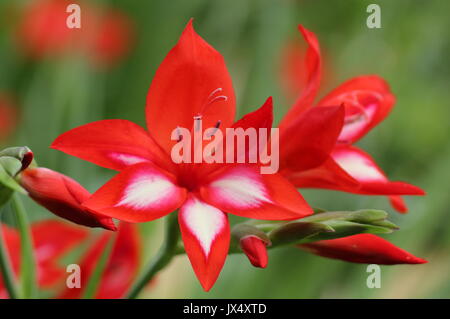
(180, 136)
(212, 99)
(214, 93)
(197, 122)
(216, 128)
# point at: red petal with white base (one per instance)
(192, 80)
(206, 237)
(367, 99)
(364, 249)
(308, 141)
(113, 144)
(140, 193)
(364, 169)
(314, 69)
(244, 191)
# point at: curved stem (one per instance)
(162, 258)
(27, 264)
(6, 271)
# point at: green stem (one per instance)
(27, 264)
(6, 270)
(162, 258)
(94, 280)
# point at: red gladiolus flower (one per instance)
(255, 249)
(105, 34)
(8, 117)
(52, 239)
(325, 133)
(364, 249)
(121, 268)
(192, 81)
(62, 196)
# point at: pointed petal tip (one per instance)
(418, 260)
(108, 224)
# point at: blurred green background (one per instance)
(410, 51)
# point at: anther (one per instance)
(197, 122)
(216, 128)
(180, 136)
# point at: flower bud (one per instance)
(62, 196)
(362, 248)
(255, 249)
(21, 153)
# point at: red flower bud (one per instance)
(62, 196)
(255, 249)
(363, 249)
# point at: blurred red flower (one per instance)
(8, 117)
(121, 267)
(105, 36)
(52, 239)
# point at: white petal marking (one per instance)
(351, 129)
(358, 166)
(241, 189)
(204, 221)
(147, 191)
(128, 159)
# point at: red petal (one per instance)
(140, 193)
(188, 83)
(314, 68)
(329, 176)
(206, 237)
(308, 141)
(244, 191)
(367, 99)
(62, 196)
(363, 248)
(262, 118)
(364, 169)
(113, 144)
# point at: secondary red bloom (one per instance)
(62, 196)
(121, 268)
(192, 81)
(255, 249)
(363, 248)
(52, 239)
(325, 132)
(105, 34)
